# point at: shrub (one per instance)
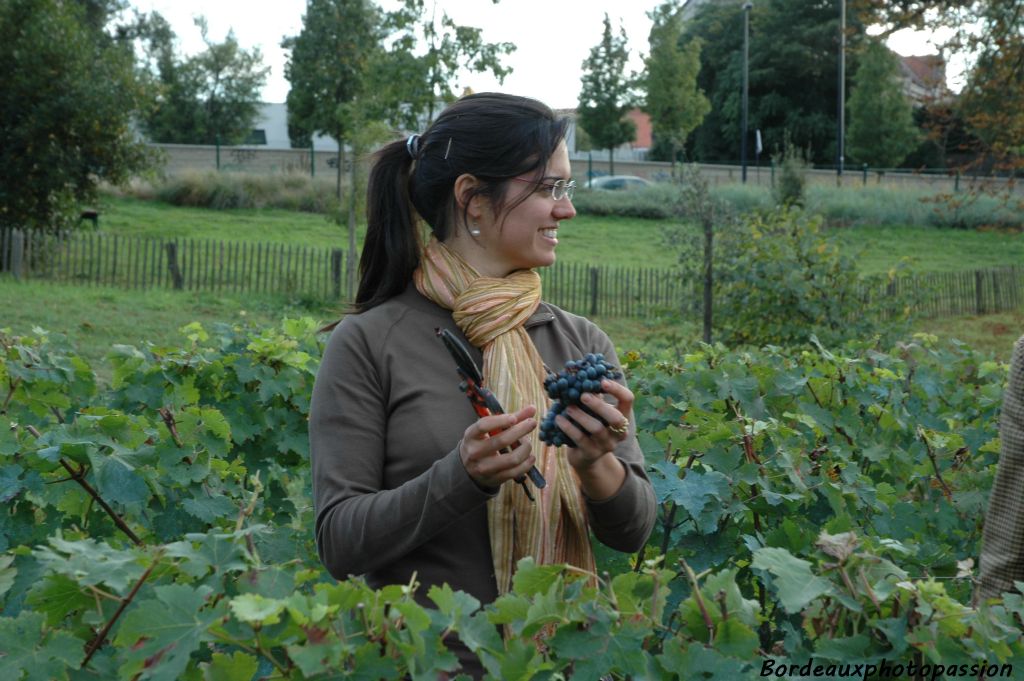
(779, 280)
(789, 187)
(227, 190)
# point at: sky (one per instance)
(553, 37)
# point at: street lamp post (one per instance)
(746, 56)
(842, 91)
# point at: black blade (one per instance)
(461, 356)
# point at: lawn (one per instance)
(621, 241)
(95, 318)
(585, 239)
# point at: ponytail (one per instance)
(391, 250)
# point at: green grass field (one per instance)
(95, 318)
(585, 239)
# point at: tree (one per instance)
(69, 92)
(882, 130)
(991, 106)
(431, 77)
(328, 66)
(794, 51)
(606, 95)
(673, 100)
(210, 98)
(331, 93)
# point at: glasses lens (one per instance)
(568, 189)
(561, 189)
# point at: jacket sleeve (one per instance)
(625, 520)
(361, 527)
(1002, 554)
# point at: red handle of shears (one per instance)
(483, 400)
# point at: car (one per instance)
(618, 183)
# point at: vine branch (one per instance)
(935, 464)
(78, 475)
(697, 596)
(10, 395)
(97, 642)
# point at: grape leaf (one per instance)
(531, 579)
(33, 654)
(238, 666)
(793, 580)
(10, 482)
(56, 596)
(210, 508)
(255, 609)
(160, 634)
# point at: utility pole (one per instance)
(746, 87)
(842, 91)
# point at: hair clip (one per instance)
(412, 145)
(448, 148)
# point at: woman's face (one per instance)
(525, 236)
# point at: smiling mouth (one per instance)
(550, 233)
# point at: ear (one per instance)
(463, 192)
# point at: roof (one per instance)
(927, 69)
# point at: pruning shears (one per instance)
(483, 400)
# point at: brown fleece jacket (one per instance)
(391, 495)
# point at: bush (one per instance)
(228, 190)
(848, 206)
(792, 179)
(779, 280)
(880, 205)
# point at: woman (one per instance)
(406, 479)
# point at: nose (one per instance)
(564, 210)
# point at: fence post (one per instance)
(593, 291)
(864, 168)
(996, 302)
(956, 182)
(979, 300)
(17, 250)
(336, 271)
(172, 266)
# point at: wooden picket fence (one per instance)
(97, 259)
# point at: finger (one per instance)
(500, 465)
(486, 447)
(621, 393)
(602, 409)
(488, 424)
(570, 428)
(588, 424)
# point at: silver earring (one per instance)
(474, 230)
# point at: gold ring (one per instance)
(620, 429)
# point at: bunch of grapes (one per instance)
(567, 387)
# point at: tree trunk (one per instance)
(341, 155)
(352, 228)
(611, 161)
(708, 223)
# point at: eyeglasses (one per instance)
(560, 189)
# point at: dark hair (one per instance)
(492, 136)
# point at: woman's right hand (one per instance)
(479, 451)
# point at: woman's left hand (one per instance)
(594, 439)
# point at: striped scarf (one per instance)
(491, 313)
